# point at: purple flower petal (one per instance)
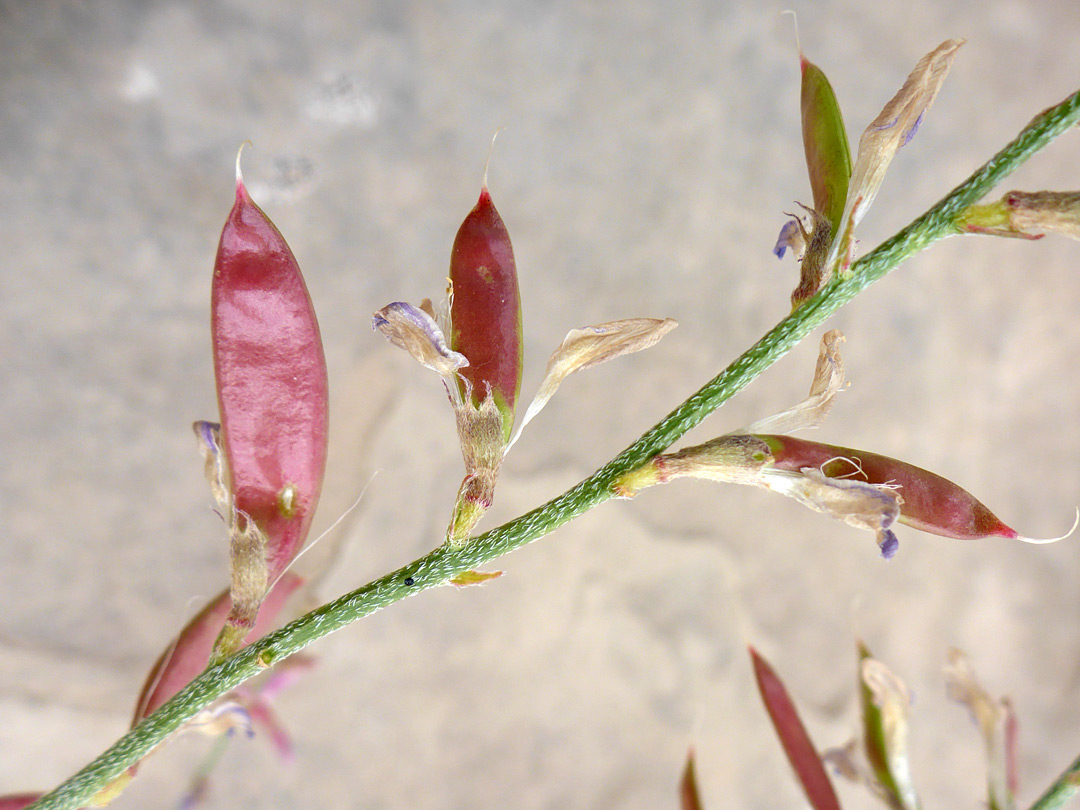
(790, 237)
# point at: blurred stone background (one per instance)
(649, 152)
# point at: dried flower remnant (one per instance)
(1025, 215)
(481, 363)
(273, 399)
(891, 698)
(893, 128)
(997, 724)
(879, 774)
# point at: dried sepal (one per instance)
(892, 129)
(590, 346)
(480, 433)
(247, 566)
(828, 381)
(892, 699)
(1025, 215)
(828, 156)
(689, 795)
(800, 750)
(414, 329)
(996, 722)
(209, 436)
(731, 459)
(813, 264)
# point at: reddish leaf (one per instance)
(804, 758)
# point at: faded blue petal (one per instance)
(791, 236)
(888, 544)
(914, 128)
(413, 330)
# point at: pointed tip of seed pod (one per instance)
(803, 62)
(487, 163)
(241, 190)
(1039, 541)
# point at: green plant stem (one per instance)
(444, 563)
(1063, 788)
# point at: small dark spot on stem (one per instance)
(410, 581)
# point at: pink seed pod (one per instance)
(271, 382)
(485, 311)
(930, 503)
(188, 655)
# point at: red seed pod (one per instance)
(189, 654)
(804, 758)
(17, 801)
(930, 503)
(485, 312)
(271, 381)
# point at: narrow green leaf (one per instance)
(828, 156)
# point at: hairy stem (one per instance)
(444, 563)
(1063, 788)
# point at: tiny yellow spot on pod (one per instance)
(287, 501)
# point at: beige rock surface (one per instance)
(649, 152)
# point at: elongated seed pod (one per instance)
(828, 156)
(930, 503)
(485, 312)
(271, 381)
(800, 750)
